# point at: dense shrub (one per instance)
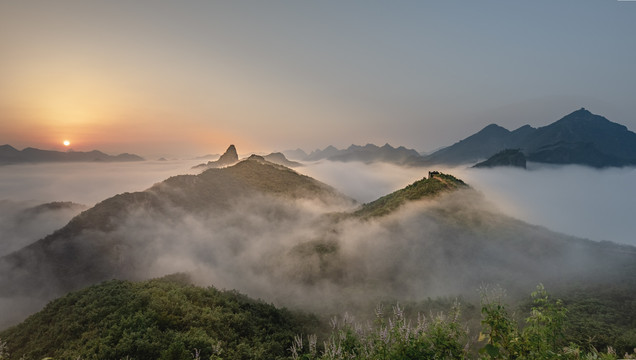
(158, 319)
(541, 336)
(170, 319)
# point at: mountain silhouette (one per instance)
(229, 157)
(280, 159)
(10, 155)
(322, 154)
(508, 157)
(578, 138)
(298, 154)
(368, 154)
(489, 140)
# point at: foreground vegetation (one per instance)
(169, 318)
(158, 319)
(541, 336)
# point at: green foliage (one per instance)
(159, 319)
(170, 319)
(432, 186)
(545, 331)
(500, 329)
(543, 337)
(435, 337)
(442, 337)
(602, 317)
(4, 353)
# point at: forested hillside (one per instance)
(165, 318)
(169, 318)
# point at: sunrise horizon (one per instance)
(160, 78)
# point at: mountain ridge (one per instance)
(229, 157)
(579, 137)
(368, 153)
(279, 235)
(11, 155)
(508, 157)
(214, 190)
(435, 184)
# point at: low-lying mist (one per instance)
(363, 182)
(282, 251)
(84, 183)
(22, 223)
(25, 188)
(304, 253)
(575, 200)
(596, 204)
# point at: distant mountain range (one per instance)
(508, 157)
(230, 157)
(11, 155)
(368, 154)
(578, 138)
(280, 159)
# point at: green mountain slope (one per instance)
(168, 318)
(158, 319)
(436, 184)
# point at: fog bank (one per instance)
(363, 182)
(84, 183)
(298, 253)
(22, 223)
(575, 200)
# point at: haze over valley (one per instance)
(261, 221)
(383, 232)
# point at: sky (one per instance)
(185, 78)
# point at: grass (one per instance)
(436, 184)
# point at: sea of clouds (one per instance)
(597, 204)
(249, 247)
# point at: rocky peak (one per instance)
(229, 157)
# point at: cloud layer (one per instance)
(575, 200)
(294, 254)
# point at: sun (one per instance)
(66, 143)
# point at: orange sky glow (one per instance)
(167, 78)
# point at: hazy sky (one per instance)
(190, 77)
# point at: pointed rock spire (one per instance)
(229, 157)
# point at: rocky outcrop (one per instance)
(229, 157)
